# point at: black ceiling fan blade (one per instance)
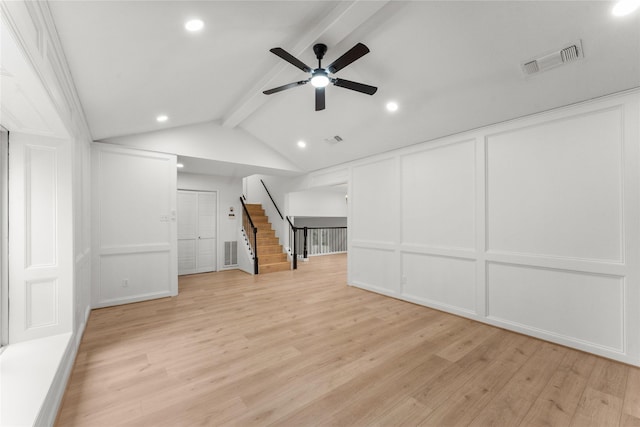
(285, 87)
(290, 59)
(356, 52)
(319, 98)
(358, 87)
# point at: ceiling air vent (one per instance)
(333, 140)
(571, 52)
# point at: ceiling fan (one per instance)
(321, 77)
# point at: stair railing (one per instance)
(321, 240)
(272, 201)
(293, 244)
(251, 234)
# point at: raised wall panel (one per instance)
(42, 303)
(142, 282)
(40, 184)
(373, 268)
(135, 225)
(438, 196)
(373, 188)
(555, 189)
(570, 305)
(440, 280)
(133, 197)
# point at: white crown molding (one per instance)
(43, 50)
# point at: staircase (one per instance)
(271, 256)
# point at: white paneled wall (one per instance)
(134, 217)
(530, 225)
(40, 266)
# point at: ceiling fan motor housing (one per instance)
(320, 49)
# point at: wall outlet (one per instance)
(404, 280)
(125, 283)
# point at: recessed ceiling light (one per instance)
(179, 165)
(392, 106)
(625, 7)
(162, 118)
(302, 144)
(194, 25)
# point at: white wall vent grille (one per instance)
(571, 52)
(333, 140)
(230, 253)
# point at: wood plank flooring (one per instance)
(300, 348)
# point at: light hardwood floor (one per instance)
(300, 348)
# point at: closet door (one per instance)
(197, 237)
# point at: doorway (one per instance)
(197, 231)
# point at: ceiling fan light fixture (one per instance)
(319, 79)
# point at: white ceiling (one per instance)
(451, 65)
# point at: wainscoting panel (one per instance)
(374, 269)
(124, 281)
(42, 303)
(441, 282)
(135, 230)
(133, 190)
(438, 196)
(570, 305)
(40, 205)
(530, 225)
(372, 185)
(41, 262)
(555, 189)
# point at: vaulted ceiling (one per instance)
(450, 65)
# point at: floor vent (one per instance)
(230, 253)
(571, 52)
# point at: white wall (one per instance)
(209, 141)
(317, 203)
(134, 224)
(39, 106)
(229, 191)
(529, 225)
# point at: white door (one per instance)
(197, 238)
(40, 263)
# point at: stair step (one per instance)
(269, 249)
(263, 232)
(276, 266)
(271, 258)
